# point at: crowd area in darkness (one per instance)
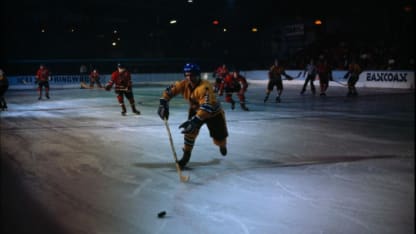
(374, 55)
(338, 52)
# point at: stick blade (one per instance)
(184, 178)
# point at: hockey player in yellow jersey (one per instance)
(203, 109)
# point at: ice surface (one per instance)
(310, 164)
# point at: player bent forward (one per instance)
(203, 109)
(234, 83)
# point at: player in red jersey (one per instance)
(219, 75)
(95, 78)
(234, 83)
(121, 78)
(42, 79)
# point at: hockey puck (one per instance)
(161, 214)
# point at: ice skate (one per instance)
(134, 110)
(243, 106)
(184, 160)
(266, 98)
(232, 104)
(278, 99)
(223, 150)
(123, 110)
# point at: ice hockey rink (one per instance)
(310, 164)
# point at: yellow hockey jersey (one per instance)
(202, 99)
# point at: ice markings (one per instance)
(141, 186)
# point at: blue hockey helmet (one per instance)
(192, 68)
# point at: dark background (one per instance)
(78, 32)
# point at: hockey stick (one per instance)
(84, 85)
(339, 82)
(183, 178)
(295, 78)
(122, 90)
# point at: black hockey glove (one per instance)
(107, 87)
(163, 110)
(192, 125)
